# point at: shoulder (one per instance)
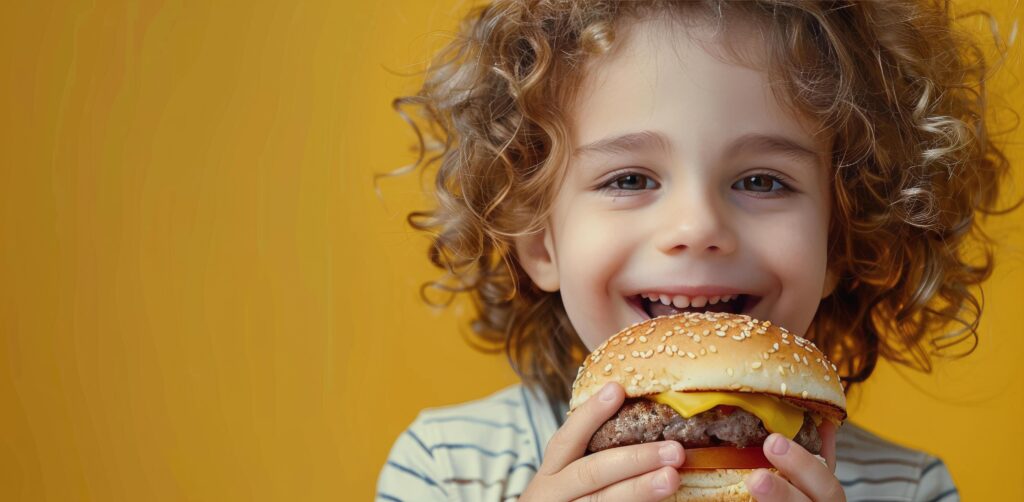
(872, 468)
(486, 449)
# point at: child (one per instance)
(814, 164)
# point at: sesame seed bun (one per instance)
(692, 352)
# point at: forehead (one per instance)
(701, 80)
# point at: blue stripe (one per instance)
(417, 439)
(877, 481)
(529, 414)
(520, 466)
(475, 421)
(423, 477)
(943, 495)
(390, 498)
(462, 446)
(930, 467)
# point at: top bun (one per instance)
(713, 351)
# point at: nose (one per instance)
(697, 224)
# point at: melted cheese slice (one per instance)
(777, 415)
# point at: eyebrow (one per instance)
(748, 143)
(773, 143)
(637, 141)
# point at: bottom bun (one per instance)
(712, 485)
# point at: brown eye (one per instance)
(633, 181)
(759, 183)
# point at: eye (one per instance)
(631, 181)
(761, 182)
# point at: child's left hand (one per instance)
(807, 479)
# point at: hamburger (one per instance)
(718, 383)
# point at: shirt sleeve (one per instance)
(936, 484)
(411, 472)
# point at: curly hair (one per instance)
(899, 88)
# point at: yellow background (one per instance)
(203, 299)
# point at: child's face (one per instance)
(697, 214)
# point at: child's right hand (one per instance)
(639, 472)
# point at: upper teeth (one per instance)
(682, 301)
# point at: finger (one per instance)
(605, 468)
(827, 431)
(802, 469)
(767, 487)
(570, 441)
(653, 487)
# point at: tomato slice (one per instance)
(725, 457)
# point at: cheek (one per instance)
(795, 248)
(589, 260)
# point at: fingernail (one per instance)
(669, 453)
(660, 481)
(780, 445)
(760, 482)
(607, 392)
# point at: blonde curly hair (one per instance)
(899, 88)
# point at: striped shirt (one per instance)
(490, 449)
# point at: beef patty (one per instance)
(643, 421)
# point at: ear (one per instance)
(831, 281)
(536, 254)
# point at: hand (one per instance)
(808, 478)
(639, 472)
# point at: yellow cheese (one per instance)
(777, 415)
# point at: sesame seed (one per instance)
(630, 340)
(691, 355)
(756, 365)
(805, 361)
(738, 338)
(661, 348)
(734, 386)
(775, 345)
(783, 388)
(703, 352)
(643, 339)
(712, 348)
(729, 371)
(803, 394)
(608, 368)
(765, 356)
(827, 378)
(782, 370)
(629, 369)
(634, 354)
(797, 357)
(696, 339)
(622, 357)
(708, 332)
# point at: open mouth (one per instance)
(658, 305)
